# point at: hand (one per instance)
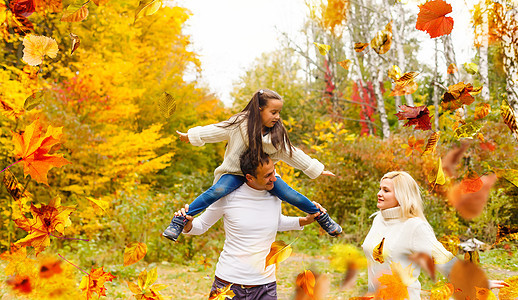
(497, 284)
(310, 218)
(327, 173)
(183, 136)
(183, 212)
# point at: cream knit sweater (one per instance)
(237, 138)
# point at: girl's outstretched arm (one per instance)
(327, 173)
(183, 136)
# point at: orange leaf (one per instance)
(432, 18)
(442, 292)
(345, 63)
(471, 184)
(482, 110)
(306, 281)
(452, 68)
(413, 145)
(485, 294)
(33, 147)
(94, 282)
(76, 12)
(383, 39)
(452, 158)
(134, 252)
(49, 267)
(17, 258)
(459, 94)
(407, 88)
(21, 284)
(359, 47)
(279, 251)
(425, 261)
(51, 6)
(510, 118)
(222, 293)
(465, 276)
(406, 78)
(392, 286)
(76, 41)
(432, 143)
(471, 205)
(377, 253)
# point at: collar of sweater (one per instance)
(391, 213)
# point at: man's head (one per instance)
(259, 170)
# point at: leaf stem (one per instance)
(62, 237)
(73, 264)
(11, 165)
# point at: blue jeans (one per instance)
(266, 291)
(229, 183)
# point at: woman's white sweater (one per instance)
(237, 138)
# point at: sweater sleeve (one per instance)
(213, 133)
(289, 223)
(424, 241)
(208, 218)
(300, 160)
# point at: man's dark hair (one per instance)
(250, 161)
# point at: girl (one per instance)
(402, 230)
(258, 127)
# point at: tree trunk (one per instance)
(397, 42)
(449, 55)
(377, 79)
(435, 86)
(483, 67)
(510, 51)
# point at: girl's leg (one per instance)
(284, 192)
(226, 184)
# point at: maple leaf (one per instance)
(222, 293)
(419, 116)
(17, 258)
(509, 292)
(323, 49)
(145, 288)
(459, 94)
(510, 118)
(377, 253)
(94, 282)
(482, 110)
(279, 251)
(46, 219)
(306, 281)
(206, 262)
(134, 252)
(36, 47)
(442, 292)
(359, 47)
(471, 205)
(75, 12)
(432, 18)
(33, 147)
(452, 68)
(413, 145)
(383, 39)
(392, 286)
(431, 144)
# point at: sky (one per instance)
(228, 35)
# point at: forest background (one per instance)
(93, 166)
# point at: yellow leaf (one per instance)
(377, 253)
(471, 68)
(36, 47)
(322, 48)
(147, 8)
(442, 292)
(509, 116)
(134, 252)
(222, 293)
(99, 205)
(437, 177)
(432, 143)
(306, 281)
(383, 39)
(359, 47)
(509, 292)
(392, 286)
(468, 131)
(482, 110)
(406, 78)
(485, 294)
(167, 105)
(394, 73)
(75, 12)
(345, 256)
(279, 251)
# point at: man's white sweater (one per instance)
(251, 220)
(237, 138)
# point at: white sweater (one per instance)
(237, 138)
(402, 238)
(251, 219)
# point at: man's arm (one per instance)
(290, 223)
(199, 225)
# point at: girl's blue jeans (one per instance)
(229, 183)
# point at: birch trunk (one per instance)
(483, 67)
(435, 86)
(510, 51)
(449, 55)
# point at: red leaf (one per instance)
(419, 116)
(432, 19)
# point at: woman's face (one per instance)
(386, 196)
(271, 113)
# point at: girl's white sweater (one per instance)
(237, 138)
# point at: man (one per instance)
(252, 216)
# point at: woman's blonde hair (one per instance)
(407, 194)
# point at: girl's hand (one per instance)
(183, 136)
(327, 173)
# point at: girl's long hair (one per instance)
(252, 114)
(407, 194)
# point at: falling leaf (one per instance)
(167, 105)
(377, 253)
(485, 294)
(407, 78)
(33, 147)
(437, 177)
(34, 100)
(99, 205)
(322, 48)
(452, 68)
(404, 89)
(383, 39)
(222, 293)
(467, 131)
(14, 188)
(452, 158)
(76, 41)
(465, 276)
(509, 116)
(359, 47)
(94, 282)
(145, 289)
(442, 292)
(279, 251)
(510, 175)
(471, 205)
(459, 94)
(205, 261)
(395, 73)
(432, 18)
(425, 261)
(470, 184)
(431, 145)
(413, 145)
(20, 283)
(306, 281)
(345, 64)
(36, 47)
(419, 116)
(134, 252)
(147, 8)
(471, 68)
(347, 258)
(17, 258)
(75, 12)
(482, 110)
(450, 243)
(50, 267)
(509, 292)
(488, 146)
(46, 220)
(472, 256)
(392, 285)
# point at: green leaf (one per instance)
(468, 130)
(167, 105)
(147, 8)
(33, 100)
(471, 68)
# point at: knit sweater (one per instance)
(237, 138)
(402, 238)
(251, 219)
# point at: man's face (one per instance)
(265, 177)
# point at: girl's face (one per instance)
(386, 195)
(271, 113)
